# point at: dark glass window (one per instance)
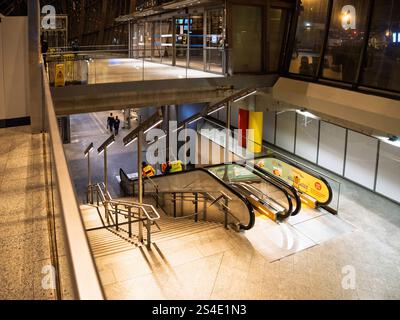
(277, 24)
(309, 37)
(346, 39)
(382, 67)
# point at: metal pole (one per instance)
(228, 131)
(129, 222)
(105, 172)
(185, 147)
(196, 207)
(140, 180)
(90, 189)
(148, 227)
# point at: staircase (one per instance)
(105, 242)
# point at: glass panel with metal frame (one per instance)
(309, 39)
(346, 38)
(382, 65)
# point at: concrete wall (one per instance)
(13, 67)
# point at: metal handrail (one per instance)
(127, 204)
(86, 279)
(138, 206)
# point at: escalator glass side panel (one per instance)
(197, 181)
(266, 197)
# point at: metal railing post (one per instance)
(129, 222)
(148, 227)
(106, 211)
(226, 212)
(140, 182)
(174, 202)
(116, 217)
(157, 200)
(196, 207)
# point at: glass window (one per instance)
(346, 39)
(309, 37)
(277, 24)
(247, 38)
(382, 67)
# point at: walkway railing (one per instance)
(123, 65)
(81, 275)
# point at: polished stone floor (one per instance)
(124, 70)
(24, 237)
(214, 263)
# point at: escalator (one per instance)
(311, 187)
(246, 191)
(209, 197)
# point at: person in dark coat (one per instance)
(117, 122)
(110, 122)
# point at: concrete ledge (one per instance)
(102, 97)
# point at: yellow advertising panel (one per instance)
(69, 66)
(302, 181)
(60, 75)
(255, 132)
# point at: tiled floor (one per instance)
(123, 70)
(24, 240)
(25, 245)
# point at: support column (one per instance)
(130, 44)
(35, 104)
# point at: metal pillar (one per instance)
(90, 190)
(130, 39)
(185, 150)
(105, 172)
(228, 131)
(140, 180)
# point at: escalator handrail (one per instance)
(240, 196)
(289, 211)
(261, 172)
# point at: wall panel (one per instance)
(285, 130)
(361, 158)
(388, 178)
(307, 138)
(332, 147)
(269, 127)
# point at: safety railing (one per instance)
(123, 65)
(77, 276)
(134, 212)
(178, 204)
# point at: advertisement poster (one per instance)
(299, 179)
(60, 75)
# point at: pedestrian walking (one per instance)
(117, 123)
(110, 122)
